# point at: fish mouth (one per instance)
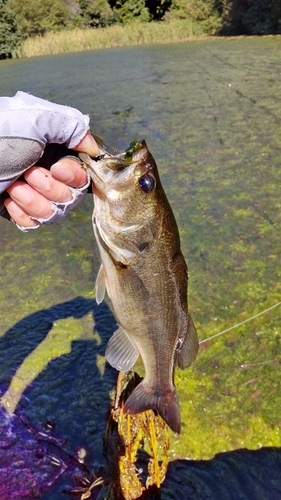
(127, 155)
(111, 173)
(117, 160)
(107, 169)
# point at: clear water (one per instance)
(210, 112)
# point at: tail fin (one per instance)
(144, 398)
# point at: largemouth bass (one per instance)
(145, 275)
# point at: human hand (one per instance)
(32, 198)
(29, 127)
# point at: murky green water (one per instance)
(211, 114)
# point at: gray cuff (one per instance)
(17, 154)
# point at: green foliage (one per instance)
(254, 17)
(260, 19)
(35, 17)
(94, 13)
(10, 38)
(158, 8)
(203, 11)
(131, 10)
(20, 20)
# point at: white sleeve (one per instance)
(27, 125)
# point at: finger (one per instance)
(18, 215)
(88, 145)
(42, 180)
(29, 200)
(69, 172)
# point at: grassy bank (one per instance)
(113, 36)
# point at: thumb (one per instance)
(88, 145)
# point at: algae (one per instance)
(210, 112)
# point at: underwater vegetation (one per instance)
(211, 115)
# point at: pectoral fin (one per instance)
(121, 352)
(133, 286)
(189, 348)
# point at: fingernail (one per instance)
(62, 172)
(39, 179)
(22, 194)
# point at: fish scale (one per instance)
(145, 275)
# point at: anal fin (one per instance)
(189, 348)
(121, 352)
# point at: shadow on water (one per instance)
(72, 395)
(70, 399)
(243, 474)
(240, 474)
(24, 336)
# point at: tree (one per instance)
(158, 8)
(254, 17)
(10, 37)
(131, 10)
(35, 17)
(260, 18)
(94, 13)
(205, 12)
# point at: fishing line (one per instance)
(239, 324)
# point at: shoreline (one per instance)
(129, 35)
(132, 34)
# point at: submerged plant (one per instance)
(125, 436)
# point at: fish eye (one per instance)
(147, 183)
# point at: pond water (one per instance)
(210, 112)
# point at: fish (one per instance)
(145, 275)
